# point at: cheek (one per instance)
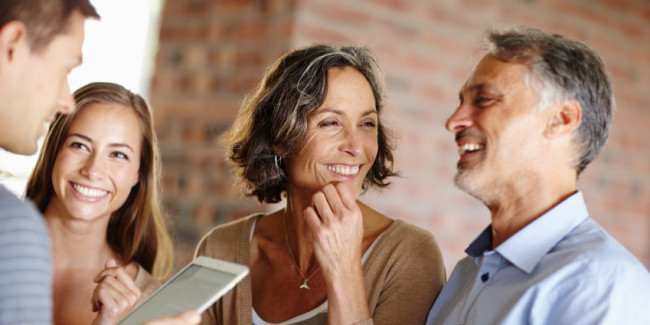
(48, 82)
(127, 177)
(316, 147)
(135, 175)
(61, 167)
(372, 147)
(123, 180)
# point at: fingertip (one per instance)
(312, 220)
(111, 262)
(193, 316)
(308, 213)
(133, 298)
(341, 188)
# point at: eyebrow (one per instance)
(473, 89)
(112, 145)
(340, 112)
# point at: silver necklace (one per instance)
(304, 285)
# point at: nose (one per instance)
(66, 102)
(94, 168)
(461, 119)
(352, 143)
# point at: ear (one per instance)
(277, 149)
(13, 37)
(564, 119)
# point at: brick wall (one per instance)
(212, 52)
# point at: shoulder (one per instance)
(404, 266)
(222, 239)
(589, 265)
(404, 246)
(405, 236)
(22, 224)
(230, 230)
(18, 212)
(590, 248)
(25, 262)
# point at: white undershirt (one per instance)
(257, 320)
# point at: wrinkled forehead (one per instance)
(491, 73)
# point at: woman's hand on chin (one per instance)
(336, 224)
(115, 294)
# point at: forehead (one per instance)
(348, 85)
(107, 117)
(492, 74)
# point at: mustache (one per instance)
(470, 133)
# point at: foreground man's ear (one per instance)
(565, 118)
(12, 34)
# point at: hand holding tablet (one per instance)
(196, 287)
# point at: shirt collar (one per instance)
(481, 244)
(528, 246)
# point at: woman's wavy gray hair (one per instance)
(272, 120)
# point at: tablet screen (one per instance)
(190, 289)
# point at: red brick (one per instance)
(317, 34)
(337, 13)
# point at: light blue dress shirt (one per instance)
(562, 268)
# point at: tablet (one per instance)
(197, 286)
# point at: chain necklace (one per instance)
(304, 285)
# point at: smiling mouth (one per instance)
(469, 148)
(344, 170)
(89, 192)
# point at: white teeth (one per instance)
(89, 191)
(468, 147)
(344, 170)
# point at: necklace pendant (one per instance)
(304, 285)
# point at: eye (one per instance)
(120, 155)
(482, 101)
(78, 145)
(371, 124)
(328, 122)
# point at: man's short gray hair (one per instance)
(563, 69)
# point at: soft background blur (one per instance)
(205, 55)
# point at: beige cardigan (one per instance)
(145, 282)
(404, 273)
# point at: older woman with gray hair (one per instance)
(312, 134)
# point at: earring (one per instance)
(278, 160)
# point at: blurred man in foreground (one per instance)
(40, 43)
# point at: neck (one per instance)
(298, 234)
(517, 207)
(77, 243)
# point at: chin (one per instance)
(466, 180)
(26, 148)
